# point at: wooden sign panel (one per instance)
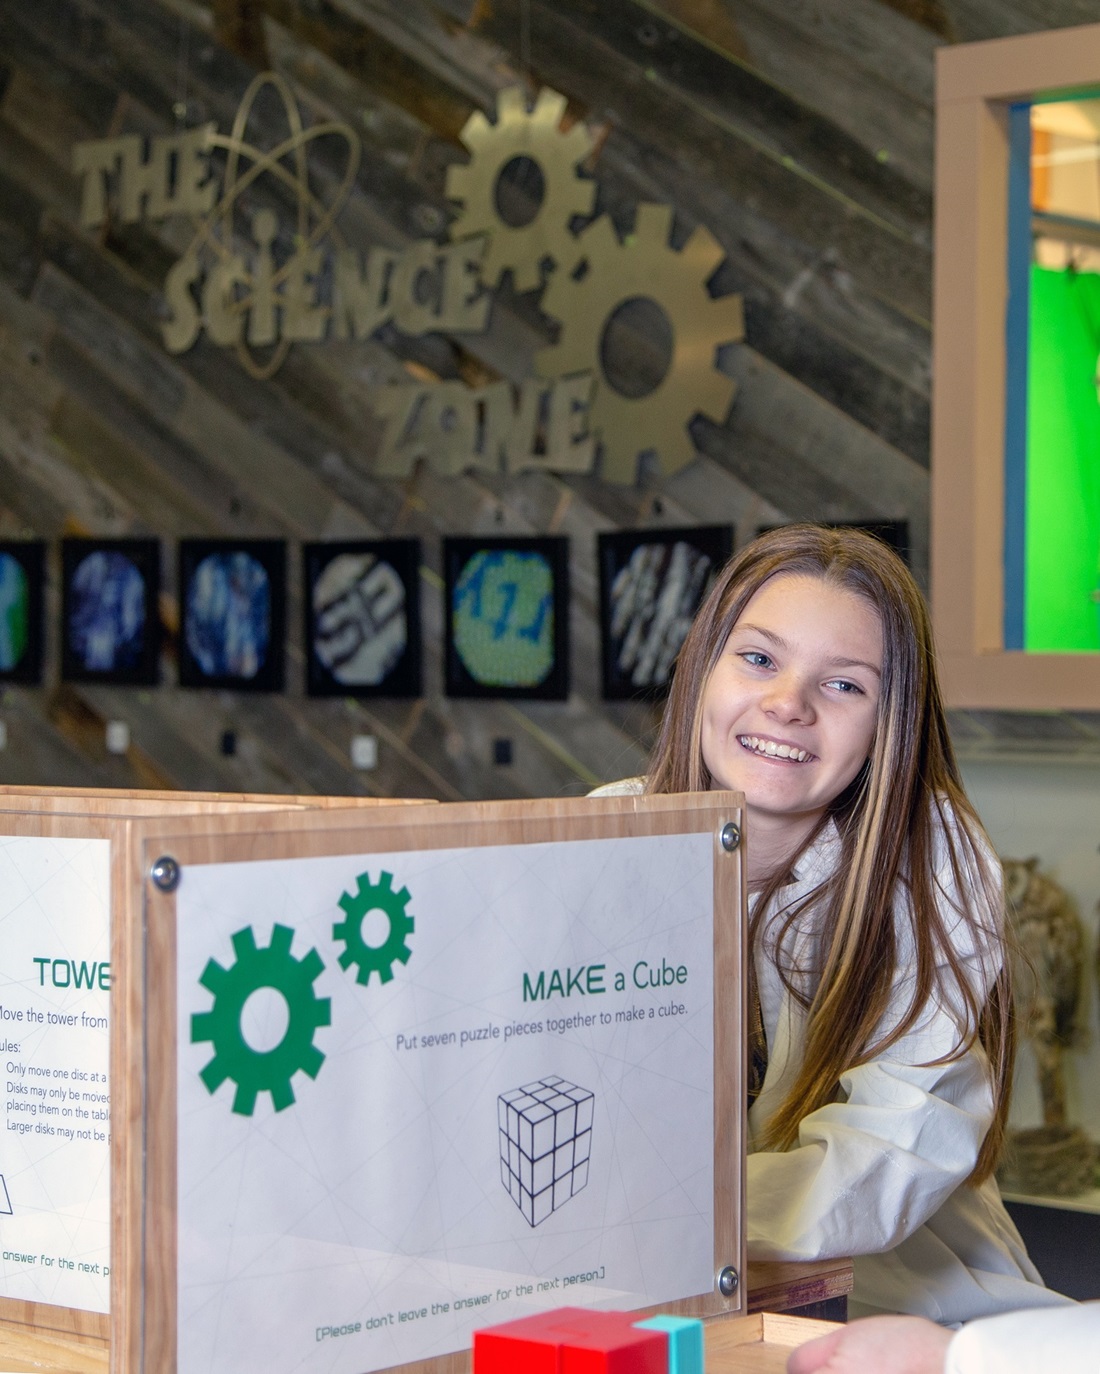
(431, 1071)
(64, 854)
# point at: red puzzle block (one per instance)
(571, 1340)
(528, 1344)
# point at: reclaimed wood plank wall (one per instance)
(799, 132)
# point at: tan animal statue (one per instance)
(1051, 940)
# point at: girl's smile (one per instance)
(789, 710)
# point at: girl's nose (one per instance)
(788, 699)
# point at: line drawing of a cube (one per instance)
(545, 1144)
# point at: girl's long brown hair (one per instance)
(909, 791)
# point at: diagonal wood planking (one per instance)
(798, 133)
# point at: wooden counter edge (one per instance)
(779, 1287)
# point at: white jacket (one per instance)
(1062, 1342)
(881, 1175)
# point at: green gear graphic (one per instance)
(251, 1070)
(378, 959)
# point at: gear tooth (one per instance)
(363, 976)
(202, 1027)
(511, 102)
(244, 1100)
(282, 1096)
(652, 224)
(282, 937)
(386, 973)
(347, 902)
(676, 453)
(244, 943)
(549, 108)
(404, 954)
(385, 880)
(582, 197)
(578, 143)
(402, 896)
(475, 131)
(555, 299)
(340, 929)
(312, 965)
(213, 976)
(345, 959)
(214, 1075)
(366, 887)
(618, 463)
(600, 237)
(457, 183)
(703, 252)
(322, 1012)
(728, 314)
(526, 276)
(312, 1061)
(716, 396)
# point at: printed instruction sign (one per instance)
(428, 1091)
(55, 980)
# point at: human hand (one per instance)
(886, 1345)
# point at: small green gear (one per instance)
(251, 1070)
(378, 959)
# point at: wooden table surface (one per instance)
(755, 1344)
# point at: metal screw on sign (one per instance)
(165, 874)
(731, 837)
(728, 1281)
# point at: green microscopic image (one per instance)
(503, 618)
(14, 612)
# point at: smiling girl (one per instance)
(881, 1038)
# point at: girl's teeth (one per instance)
(773, 750)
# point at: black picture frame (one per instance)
(644, 616)
(215, 651)
(362, 618)
(110, 611)
(506, 601)
(894, 533)
(22, 583)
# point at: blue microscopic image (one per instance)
(107, 613)
(228, 611)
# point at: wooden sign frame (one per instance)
(144, 1297)
(976, 86)
(109, 813)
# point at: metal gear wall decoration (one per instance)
(537, 135)
(255, 1071)
(379, 959)
(644, 266)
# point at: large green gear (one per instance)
(378, 959)
(645, 267)
(256, 1071)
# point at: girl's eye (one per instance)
(846, 687)
(756, 658)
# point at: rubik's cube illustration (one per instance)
(577, 1340)
(545, 1144)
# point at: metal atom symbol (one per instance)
(287, 164)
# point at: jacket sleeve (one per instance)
(872, 1167)
(1051, 1340)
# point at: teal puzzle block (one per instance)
(685, 1342)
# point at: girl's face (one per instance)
(789, 710)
